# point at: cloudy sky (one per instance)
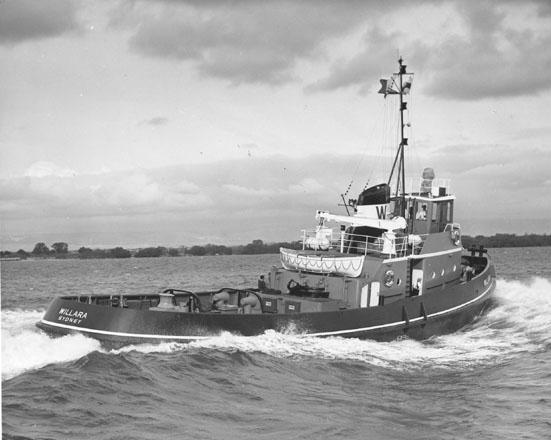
(185, 122)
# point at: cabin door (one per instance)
(374, 294)
(416, 282)
(444, 215)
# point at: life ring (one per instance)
(456, 237)
(388, 278)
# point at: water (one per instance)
(492, 380)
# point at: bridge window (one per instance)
(421, 212)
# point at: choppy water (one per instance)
(492, 380)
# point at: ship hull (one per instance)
(444, 310)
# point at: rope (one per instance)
(375, 123)
(414, 157)
(348, 188)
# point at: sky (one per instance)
(166, 122)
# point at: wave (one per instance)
(520, 322)
(25, 347)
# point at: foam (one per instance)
(163, 347)
(520, 323)
(24, 347)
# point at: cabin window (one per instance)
(410, 211)
(421, 212)
(396, 207)
(392, 208)
(442, 215)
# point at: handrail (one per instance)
(351, 243)
(413, 185)
(178, 291)
(452, 226)
(196, 299)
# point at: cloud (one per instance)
(231, 186)
(498, 50)
(23, 20)
(271, 198)
(544, 8)
(45, 168)
(496, 180)
(248, 147)
(248, 192)
(533, 133)
(362, 69)
(111, 194)
(223, 188)
(497, 58)
(155, 122)
(501, 166)
(241, 42)
(462, 50)
(308, 186)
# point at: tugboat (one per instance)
(393, 266)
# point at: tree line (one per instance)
(61, 249)
(507, 240)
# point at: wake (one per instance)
(25, 347)
(519, 323)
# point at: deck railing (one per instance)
(388, 244)
(413, 186)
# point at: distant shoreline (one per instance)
(61, 250)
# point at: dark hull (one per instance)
(443, 310)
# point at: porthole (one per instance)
(454, 267)
(398, 281)
(433, 275)
(443, 272)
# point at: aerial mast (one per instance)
(401, 172)
(403, 140)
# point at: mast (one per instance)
(399, 159)
(403, 140)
